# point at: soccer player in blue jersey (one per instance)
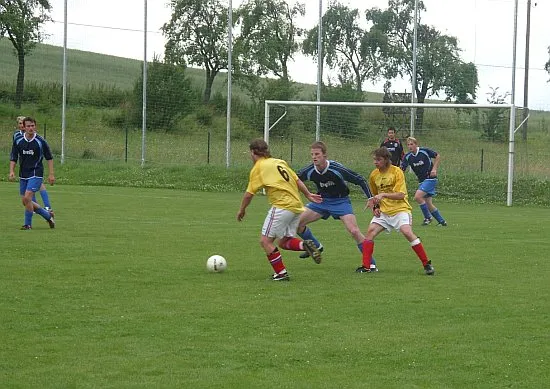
(31, 149)
(18, 133)
(330, 177)
(394, 146)
(283, 189)
(391, 210)
(420, 161)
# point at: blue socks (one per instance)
(308, 235)
(425, 211)
(438, 216)
(28, 218)
(45, 198)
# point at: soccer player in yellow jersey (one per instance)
(283, 189)
(391, 209)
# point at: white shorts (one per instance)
(280, 223)
(394, 222)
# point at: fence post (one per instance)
(482, 160)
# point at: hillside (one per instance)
(45, 64)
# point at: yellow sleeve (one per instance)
(400, 184)
(372, 183)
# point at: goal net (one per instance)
(470, 137)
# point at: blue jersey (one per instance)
(420, 163)
(30, 154)
(18, 134)
(331, 182)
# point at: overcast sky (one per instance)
(484, 29)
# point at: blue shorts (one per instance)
(428, 186)
(334, 207)
(32, 184)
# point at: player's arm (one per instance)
(13, 160)
(437, 161)
(247, 198)
(51, 175)
(357, 179)
(316, 198)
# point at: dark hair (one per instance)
(391, 128)
(319, 145)
(382, 152)
(29, 119)
(260, 148)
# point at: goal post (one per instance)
(272, 119)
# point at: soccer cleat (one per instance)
(429, 269)
(442, 224)
(51, 221)
(26, 227)
(312, 250)
(280, 277)
(305, 254)
(362, 269)
(50, 211)
(373, 268)
(426, 222)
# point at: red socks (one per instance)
(276, 261)
(419, 250)
(293, 244)
(368, 248)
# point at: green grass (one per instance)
(117, 296)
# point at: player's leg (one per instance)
(33, 186)
(309, 216)
(435, 212)
(28, 213)
(420, 198)
(375, 227)
(417, 247)
(350, 223)
(45, 198)
(274, 257)
(290, 242)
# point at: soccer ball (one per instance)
(216, 264)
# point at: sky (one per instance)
(484, 28)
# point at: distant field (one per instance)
(118, 296)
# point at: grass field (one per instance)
(117, 296)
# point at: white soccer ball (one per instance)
(216, 264)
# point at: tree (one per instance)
(196, 34)
(547, 66)
(21, 22)
(439, 67)
(169, 90)
(347, 47)
(268, 37)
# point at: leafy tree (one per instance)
(20, 21)
(197, 35)
(268, 37)
(439, 67)
(347, 47)
(169, 90)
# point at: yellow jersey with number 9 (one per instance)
(391, 181)
(279, 181)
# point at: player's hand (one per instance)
(376, 212)
(11, 177)
(316, 198)
(51, 179)
(240, 215)
(433, 173)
